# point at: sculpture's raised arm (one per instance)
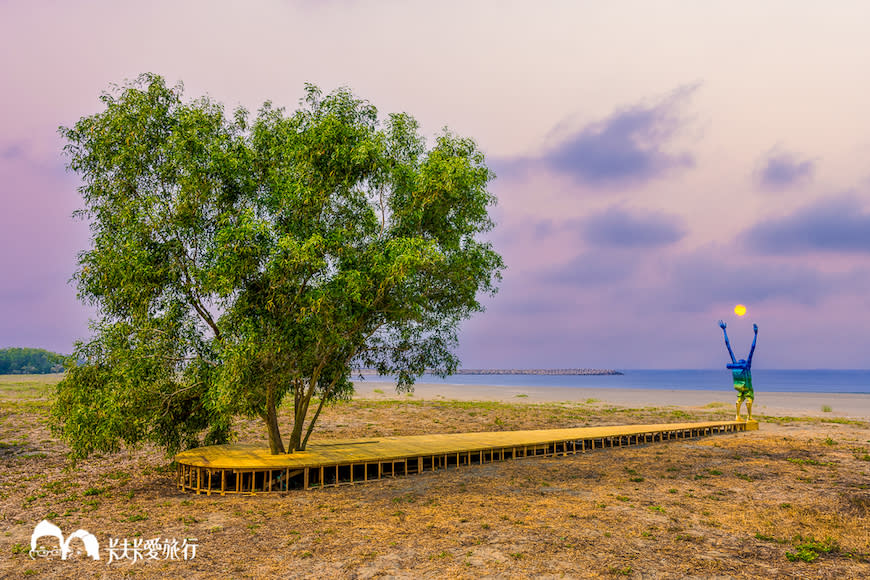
(722, 325)
(752, 348)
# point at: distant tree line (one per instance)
(29, 361)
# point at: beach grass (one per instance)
(27, 387)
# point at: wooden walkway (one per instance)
(250, 469)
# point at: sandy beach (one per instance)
(790, 500)
(850, 406)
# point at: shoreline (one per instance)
(842, 405)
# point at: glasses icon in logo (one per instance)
(47, 529)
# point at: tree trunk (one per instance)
(295, 443)
(276, 446)
(301, 410)
(311, 424)
(317, 412)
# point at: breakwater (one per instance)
(552, 372)
(537, 372)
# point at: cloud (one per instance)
(781, 169)
(615, 227)
(626, 147)
(615, 241)
(594, 269)
(12, 151)
(544, 229)
(526, 299)
(700, 281)
(710, 277)
(830, 225)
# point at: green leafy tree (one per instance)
(237, 263)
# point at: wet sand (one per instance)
(850, 406)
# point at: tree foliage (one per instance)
(16, 361)
(239, 262)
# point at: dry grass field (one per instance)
(788, 501)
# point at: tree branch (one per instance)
(203, 313)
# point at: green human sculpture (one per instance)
(741, 372)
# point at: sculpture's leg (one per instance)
(749, 408)
(737, 417)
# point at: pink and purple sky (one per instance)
(659, 162)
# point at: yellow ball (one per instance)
(739, 310)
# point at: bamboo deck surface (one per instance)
(378, 449)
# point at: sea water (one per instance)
(777, 381)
